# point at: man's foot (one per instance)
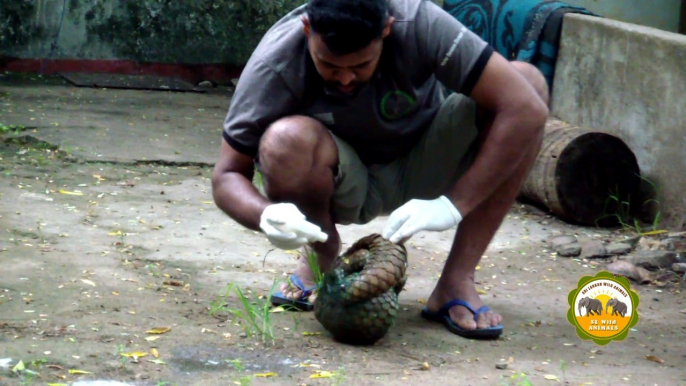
(461, 295)
(303, 272)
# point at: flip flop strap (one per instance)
(458, 302)
(298, 283)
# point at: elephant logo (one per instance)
(591, 305)
(618, 307)
(586, 308)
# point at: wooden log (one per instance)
(583, 176)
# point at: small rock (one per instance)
(569, 250)
(234, 81)
(593, 250)
(206, 83)
(501, 366)
(668, 244)
(679, 267)
(652, 259)
(562, 240)
(243, 335)
(646, 244)
(626, 269)
(618, 248)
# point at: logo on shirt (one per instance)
(396, 104)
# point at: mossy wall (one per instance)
(160, 31)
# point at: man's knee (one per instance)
(535, 77)
(293, 151)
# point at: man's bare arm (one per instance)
(519, 119)
(232, 188)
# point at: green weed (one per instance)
(254, 316)
(520, 379)
(626, 216)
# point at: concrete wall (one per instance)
(158, 31)
(662, 14)
(630, 81)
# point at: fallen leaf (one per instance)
(57, 384)
(175, 283)
(154, 353)
(322, 374)
(75, 193)
(277, 309)
(89, 282)
(157, 361)
(551, 377)
(655, 359)
(73, 371)
(266, 375)
(422, 301)
(425, 366)
(307, 365)
(151, 338)
(135, 354)
(159, 330)
(307, 333)
(19, 367)
(481, 292)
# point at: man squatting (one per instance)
(343, 109)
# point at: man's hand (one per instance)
(286, 227)
(421, 215)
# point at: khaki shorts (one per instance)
(443, 154)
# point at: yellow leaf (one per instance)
(117, 233)
(481, 292)
(157, 361)
(159, 330)
(72, 371)
(265, 375)
(88, 282)
(154, 353)
(98, 177)
(322, 374)
(57, 384)
(137, 354)
(291, 252)
(208, 202)
(277, 309)
(19, 367)
(307, 333)
(307, 365)
(551, 377)
(75, 193)
(115, 293)
(151, 338)
(652, 233)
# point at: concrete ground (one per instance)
(108, 230)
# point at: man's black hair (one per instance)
(347, 26)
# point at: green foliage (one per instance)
(16, 21)
(183, 31)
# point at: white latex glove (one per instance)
(286, 227)
(421, 215)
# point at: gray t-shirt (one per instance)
(427, 47)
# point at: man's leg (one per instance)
(477, 229)
(297, 157)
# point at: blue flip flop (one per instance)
(301, 303)
(442, 316)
